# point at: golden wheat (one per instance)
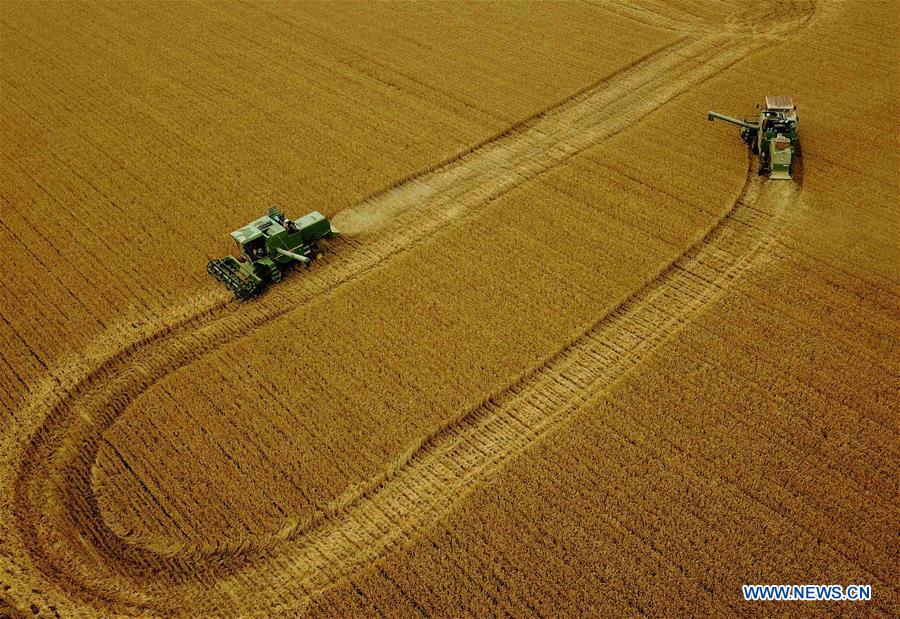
(570, 357)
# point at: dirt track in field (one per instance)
(55, 510)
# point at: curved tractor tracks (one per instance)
(57, 526)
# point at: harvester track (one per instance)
(54, 511)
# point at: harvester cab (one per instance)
(266, 247)
(772, 136)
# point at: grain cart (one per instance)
(773, 136)
(266, 247)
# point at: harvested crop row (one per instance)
(385, 322)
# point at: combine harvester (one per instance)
(773, 136)
(267, 246)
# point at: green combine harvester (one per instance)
(773, 136)
(267, 247)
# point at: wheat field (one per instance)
(571, 355)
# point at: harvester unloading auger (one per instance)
(773, 136)
(267, 246)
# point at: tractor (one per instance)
(772, 137)
(268, 246)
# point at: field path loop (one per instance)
(48, 464)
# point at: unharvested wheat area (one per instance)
(569, 355)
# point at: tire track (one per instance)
(54, 509)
